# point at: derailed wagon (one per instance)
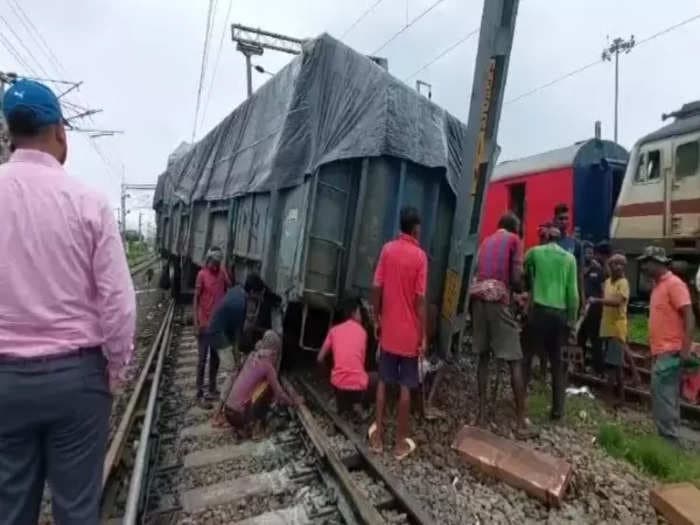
(304, 181)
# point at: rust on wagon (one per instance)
(540, 475)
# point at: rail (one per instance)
(143, 264)
(402, 501)
(118, 443)
(137, 476)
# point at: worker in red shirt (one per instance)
(210, 287)
(347, 342)
(398, 300)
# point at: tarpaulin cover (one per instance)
(330, 103)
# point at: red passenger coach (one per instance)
(587, 176)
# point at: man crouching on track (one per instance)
(224, 333)
(398, 302)
(67, 320)
(347, 343)
(255, 388)
(499, 273)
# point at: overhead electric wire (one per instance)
(408, 25)
(13, 51)
(55, 62)
(203, 69)
(600, 60)
(443, 53)
(360, 18)
(32, 30)
(224, 31)
(29, 52)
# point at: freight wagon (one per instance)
(304, 181)
(587, 176)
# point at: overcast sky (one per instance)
(140, 63)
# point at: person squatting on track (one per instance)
(671, 327)
(498, 275)
(210, 287)
(399, 307)
(347, 343)
(67, 320)
(224, 333)
(255, 388)
(613, 324)
(550, 273)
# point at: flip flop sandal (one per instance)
(411, 449)
(370, 433)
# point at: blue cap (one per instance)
(35, 98)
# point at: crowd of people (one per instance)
(67, 312)
(568, 292)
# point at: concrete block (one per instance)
(226, 492)
(679, 503)
(289, 516)
(245, 449)
(203, 429)
(540, 475)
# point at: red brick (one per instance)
(679, 503)
(540, 475)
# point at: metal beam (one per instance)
(480, 151)
(257, 38)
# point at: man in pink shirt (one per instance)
(398, 300)
(347, 342)
(67, 319)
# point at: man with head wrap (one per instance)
(210, 287)
(257, 384)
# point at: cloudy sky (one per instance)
(140, 63)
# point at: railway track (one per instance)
(643, 363)
(143, 264)
(309, 469)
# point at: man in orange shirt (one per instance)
(671, 326)
(398, 301)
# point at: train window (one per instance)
(649, 167)
(687, 158)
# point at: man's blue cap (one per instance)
(35, 99)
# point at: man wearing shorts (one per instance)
(398, 301)
(495, 330)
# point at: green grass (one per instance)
(639, 329)
(650, 453)
(580, 411)
(136, 252)
(637, 444)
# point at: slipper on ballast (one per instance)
(411, 449)
(377, 448)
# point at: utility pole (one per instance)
(479, 155)
(617, 46)
(124, 196)
(140, 219)
(251, 41)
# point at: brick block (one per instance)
(679, 503)
(540, 475)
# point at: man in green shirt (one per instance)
(551, 277)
